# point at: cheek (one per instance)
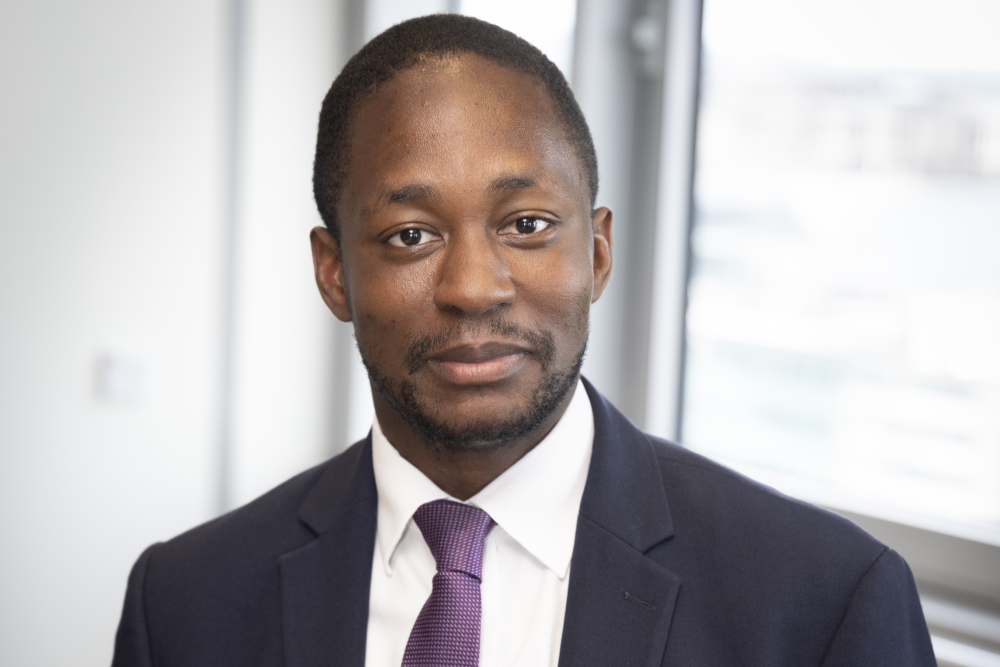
(388, 301)
(559, 289)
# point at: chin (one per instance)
(477, 417)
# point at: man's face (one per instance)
(468, 254)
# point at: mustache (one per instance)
(539, 342)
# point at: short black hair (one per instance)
(403, 46)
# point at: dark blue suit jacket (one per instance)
(678, 561)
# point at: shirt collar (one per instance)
(536, 501)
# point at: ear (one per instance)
(330, 273)
(602, 251)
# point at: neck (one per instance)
(461, 473)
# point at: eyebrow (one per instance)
(416, 191)
(511, 183)
(409, 193)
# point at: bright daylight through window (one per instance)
(843, 326)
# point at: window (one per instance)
(843, 322)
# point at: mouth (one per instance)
(478, 364)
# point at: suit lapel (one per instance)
(620, 602)
(325, 584)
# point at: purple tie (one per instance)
(446, 633)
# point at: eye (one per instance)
(528, 225)
(410, 237)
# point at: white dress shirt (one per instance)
(535, 504)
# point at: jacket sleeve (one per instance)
(132, 641)
(883, 625)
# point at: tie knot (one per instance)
(456, 535)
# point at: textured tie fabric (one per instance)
(446, 633)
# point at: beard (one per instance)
(490, 430)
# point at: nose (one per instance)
(474, 276)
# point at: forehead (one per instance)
(459, 118)
(469, 81)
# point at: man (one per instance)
(501, 512)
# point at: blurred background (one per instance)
(806, 287)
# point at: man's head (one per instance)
(406, 45)
(459, 192)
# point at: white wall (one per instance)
(113, 157)
(109, 239)
(282, 367)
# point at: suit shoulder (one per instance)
(265, 527)
(710, 492)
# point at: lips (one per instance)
(471, 354)
(478, 364)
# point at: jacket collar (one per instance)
(620, 602)
(325, 584)
(349, 480)
(624, 492)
